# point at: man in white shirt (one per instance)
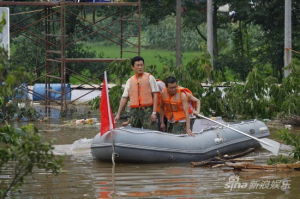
(141, 89)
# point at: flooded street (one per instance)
(83, 177)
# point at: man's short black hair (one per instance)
(136, 58)
(170, 80)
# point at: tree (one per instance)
(269, 16)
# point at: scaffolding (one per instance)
(56, 44)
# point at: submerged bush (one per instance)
(291, 139)
(281, 159)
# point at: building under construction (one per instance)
(53, 17)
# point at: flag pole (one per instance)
(111, 126)
(108, 103)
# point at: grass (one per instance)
(151, 56)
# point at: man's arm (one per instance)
(162, 115)
(185, 104)
(154, 102)
(153, 115)
(122, 105)
(194, 99)
(154, 90)
(124, 100)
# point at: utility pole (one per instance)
(287, 36)
(210, 33)
(178, 34)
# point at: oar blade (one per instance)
(270, 145)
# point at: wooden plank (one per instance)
(223, 159)
(263, 167)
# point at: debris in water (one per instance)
(82, 122)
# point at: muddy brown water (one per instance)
(83, 177)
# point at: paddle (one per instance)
(266, 143)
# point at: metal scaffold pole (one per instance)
(63, 64)
(178, 33)
(47, 48)
(210, 33)
(287, 36)
(139, 27)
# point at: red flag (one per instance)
(107, 119)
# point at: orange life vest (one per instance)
(140, 93)
(172, 105)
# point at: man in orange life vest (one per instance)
(175, 106)
(141, 89)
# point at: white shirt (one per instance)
(153, 85)
(161, 85)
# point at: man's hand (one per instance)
(163, 126)
(195, 112)
(117, 117)
(125, 123)
(153, 117)
(189, 132)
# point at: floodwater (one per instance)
(83, 177)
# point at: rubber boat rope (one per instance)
(113, 155)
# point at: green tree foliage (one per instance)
(248, 99)
(11, 79)
(11, 107)
(22, 150)
(286, 96)
(268, 17)
(80, 29)
(118, 72)
(252, 37)
(162, 36)
(261, 96)
(156, 10)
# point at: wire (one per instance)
(294, 51)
